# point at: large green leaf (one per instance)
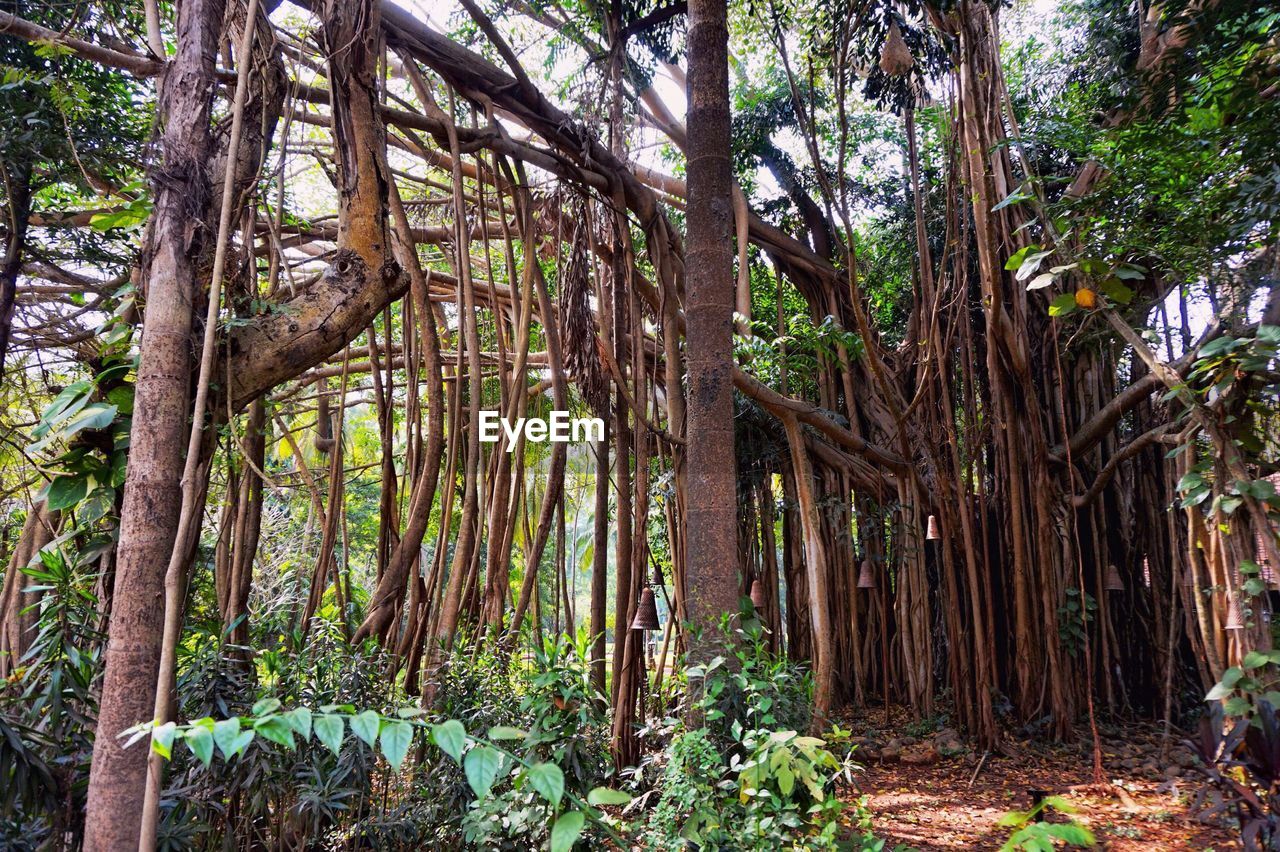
(200, 741)
(365, 726)
(299, 719)
(548, 780)
(605, 796)
(329, 731)
(162, 737)
(566, 830)
(481, 768)
(451, 737)
(396, 738)
(66, 491)
(276, 729)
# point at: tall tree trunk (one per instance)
(149, 519)
(711, 512)
(17, 625)
(17, 187)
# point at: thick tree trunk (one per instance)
(152, 499)
(711, 513)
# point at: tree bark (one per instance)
(711, 513)
(152, 498)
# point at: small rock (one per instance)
(1173, 771)
(1129, 763)
(890, 752)
(920, 756)
(909, 741)
(1150, 769)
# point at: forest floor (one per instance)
(928, 790)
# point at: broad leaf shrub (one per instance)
(747, 778)
(528, 768)
(1242, 772)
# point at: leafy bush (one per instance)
(1242, 773)
(1033, 833)
(745, 780)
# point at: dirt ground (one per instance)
(929, 792)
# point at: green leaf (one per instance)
(1062, 305)
(1072, 834)
(1020, 255)
(66, 491)
(1223, 688)
(786, 779)
(1044, 279)
(225, 734)
(329, 731)
(506, 732)
(162, 737)
(548, 780)
(1217, 346)
(1014, 197)
(451, 737)
(1254, 660)
(200, 741)
(365, 726)
(300, 720)
(1116, 290)
(605, 796)
(566, 830)
(396, 739)
(265, 706)
(135, 213)
(276, 729)
(96, 416)
(481, 768)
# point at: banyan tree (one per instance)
(959, 366)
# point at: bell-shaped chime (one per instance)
(646, 611)
(867, 576)
(757, 595)
(931, 532)
(1234, 620)
(1115, 583)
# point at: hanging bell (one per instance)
(1234, 619)
(646, 611)
(867, 576)
(757, 595)
(1114, 582)
(931, 533)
